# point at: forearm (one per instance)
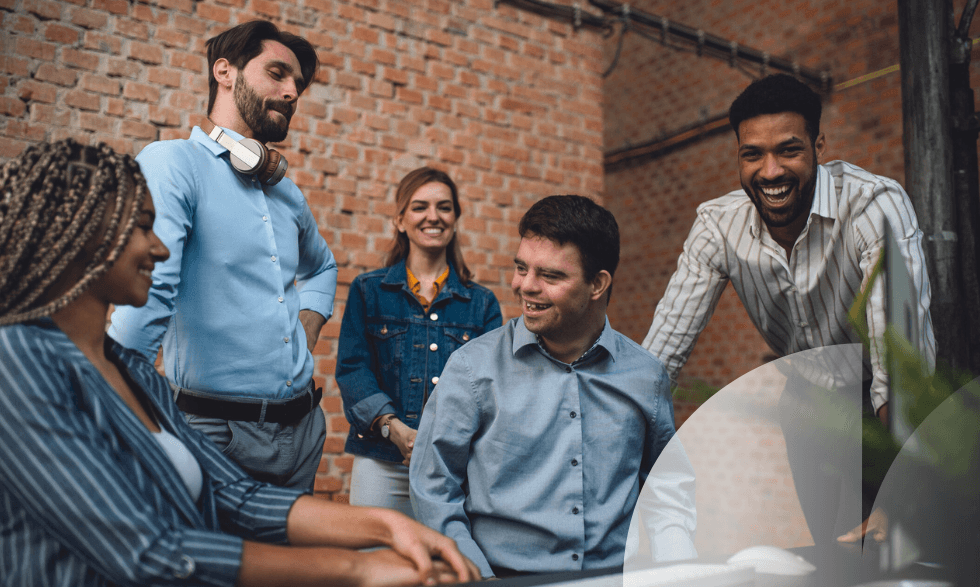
(314, 521)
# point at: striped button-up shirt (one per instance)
(88, 497)
(801, 302)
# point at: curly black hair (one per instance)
(774, 94)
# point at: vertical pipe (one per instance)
(924, 33)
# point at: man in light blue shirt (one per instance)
(250, 280)
(533, 447)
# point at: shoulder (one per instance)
(34, 351)
(851, 180)
(479, 350)
(628, 349)
(731, 204)
(478, 291)
(370, 278)
(165, 152)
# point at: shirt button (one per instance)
(572, 414)
(433, 316)
(265, 219)
(574, 462)
(574, 510)
(802, 324)
(273, 258)
(280, 299)
(289, 383)
(186, 569)
(574, 557)
(568, 369)
(433, 347)
(435, 380)
(286, 339)
(793, 289)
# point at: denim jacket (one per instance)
(391, 352)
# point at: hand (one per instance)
(312, 324)
(403, 437)
(427, 548)
(876, 525)
(386, 568)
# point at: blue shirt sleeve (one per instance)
(317, 271)
(437, 473)
(170, 174)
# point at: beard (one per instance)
(255, 112)
(802, 202)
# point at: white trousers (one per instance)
(380, 484)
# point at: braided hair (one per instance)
(58, 202)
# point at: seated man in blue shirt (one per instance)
(249, 283)
(533, 447)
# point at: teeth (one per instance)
(432, 231)
(775, 192)
(536, 307)
(145, 272)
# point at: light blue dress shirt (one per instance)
(244, 260)
(534, 465)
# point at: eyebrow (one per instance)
(288, 69)
(794, 140)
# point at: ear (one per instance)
(819, 146)
(397, 221)
(600, 285)
(224, 73)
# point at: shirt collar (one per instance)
(524, 338)
(397, 276)
(416, 286)
(198, 134)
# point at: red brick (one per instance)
(163, 116)
(187, 61)
(20, 129)
(12, 107)
(213, 12)
(34, 49)
(136, 129)
(47, 72)
(50, 115)
(115, 107)
(102, 42)
(141, 92)
(43, 9)
(81, 59)
(146, 53)
(194, 26)
(266, 7)
(163, 76)
(58, 33)
(152, 15)
(181, 5)
(32, 90)
(89, 19)
(120, 7)
(83, 100)
(91, 121)
(123, 68)
(10, 148)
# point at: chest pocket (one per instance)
(387, 341)
(456, 337)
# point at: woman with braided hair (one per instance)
(102, 482)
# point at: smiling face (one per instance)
(266, 90)
(558, 303)
(128, 281)
(429, 219)
(777, 166)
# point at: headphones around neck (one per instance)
(250, 157)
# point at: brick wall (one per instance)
(508, 102)
(656, 89)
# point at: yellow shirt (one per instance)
(416, 286)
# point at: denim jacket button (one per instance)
(466, 336)
(435, 380)
(384, 329)
(433, 347)
(433, 316)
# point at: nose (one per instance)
(290, 90)
(772, 168)
(527, 283)
(159, 250)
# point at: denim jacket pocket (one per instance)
(387, 340)
(458, 336)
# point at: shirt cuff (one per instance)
(208, 558)
(362, 414)
(319, 302)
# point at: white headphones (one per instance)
(250, 157)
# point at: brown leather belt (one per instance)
(288, 412)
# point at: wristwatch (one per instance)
(385, 430)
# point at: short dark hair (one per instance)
(774, 94)
(580, 221)
(242, 43)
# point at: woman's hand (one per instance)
(403, 437)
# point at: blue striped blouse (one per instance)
(88, 497)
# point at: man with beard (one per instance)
(250, 282)
(798, 242)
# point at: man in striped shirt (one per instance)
(797, 242)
